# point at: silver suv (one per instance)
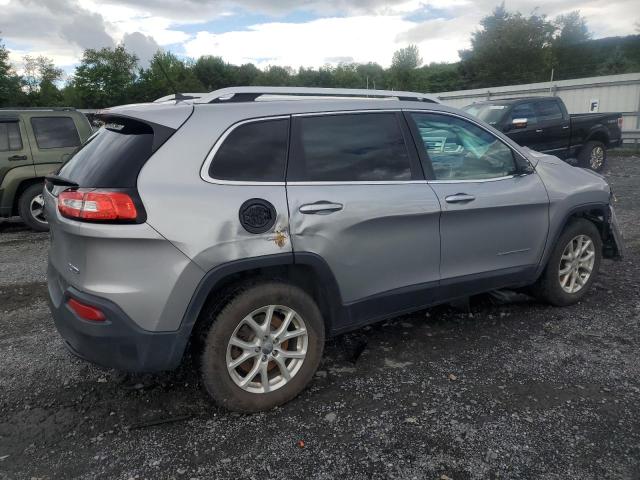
(251, 223)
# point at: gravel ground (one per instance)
(521, 390)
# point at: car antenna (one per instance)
(178, 96)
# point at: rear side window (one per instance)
(253, 152)
(10, 138)
(548, 110)
(55, 132)
(114, 155)
(349, 147)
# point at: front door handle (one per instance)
(539, 130)
(17, 158)
(460, 198)
(320, 208)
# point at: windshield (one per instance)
(487, 112)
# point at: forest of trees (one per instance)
(509, 48)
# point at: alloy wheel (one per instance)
(576, 264)
(597, 158)
(267, 349)
(36, 208)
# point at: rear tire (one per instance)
(31, 208)
(280, 360)
(593, 156)
(572, 266)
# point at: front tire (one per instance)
(263, 348)
(31, 208)
(593, 156)
(572, 266)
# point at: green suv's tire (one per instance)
(593, 155)
(577, 252)
(279, 364)
(31, 208)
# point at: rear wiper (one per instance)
(60, 181)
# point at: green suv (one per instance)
(34, 143)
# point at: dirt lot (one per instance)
(506, 391)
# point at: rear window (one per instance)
(10, 138)
(350, 147)
(253, 152)
(55, 132)
(114, 155)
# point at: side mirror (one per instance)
(519, 123)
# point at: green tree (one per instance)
(275, 76)
(509, 48)
(40, 80)
(570, 54)
(214, 73)
(403, 74)
(105, 77)
(10, 91)
(167, 73)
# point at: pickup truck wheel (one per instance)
(593, 155)
(31, 208)
(263, 348)
(573, 265)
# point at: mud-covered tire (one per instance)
(549, 287)
(29, 204)
(214, 360)
(593, 155)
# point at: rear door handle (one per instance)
(17, 158)
(539, 130)
(565, 127)
(460, 198)
(320, 208)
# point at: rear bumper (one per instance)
(116, 342)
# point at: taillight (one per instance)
(97, 205)
(84, 311)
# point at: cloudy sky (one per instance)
(277, 32)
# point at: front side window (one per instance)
(253, 152)
(460, 150)
(357, 147)
(548, 110)
(10, 138)
(524, 110)
(55, 132)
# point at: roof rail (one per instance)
(41, 109)
(249, 94)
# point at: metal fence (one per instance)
(611, 93)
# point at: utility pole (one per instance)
(551, 81)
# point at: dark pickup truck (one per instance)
(543, 124)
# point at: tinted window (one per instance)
(460, 150)
(255, 151)
(351, 147)
(548, 110)
(10, 138)
(490, 113)
(55, 132)
(112, 157)
(524, 110)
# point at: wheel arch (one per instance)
(596, 213)
(599, 135)
(22, 186)
(308, 271)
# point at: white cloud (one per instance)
(361, 30)
(363, 38)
